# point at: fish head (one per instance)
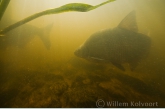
(86, 49)
(93, 48)
(88, 53)
(82, 52)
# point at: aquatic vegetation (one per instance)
(80, 7)
(3, 6)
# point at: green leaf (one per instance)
(79, 7)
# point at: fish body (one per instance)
(24, 34)
(119, 45)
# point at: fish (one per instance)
(22, 35)
(119, 45)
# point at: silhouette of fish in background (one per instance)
(24, 34)
(119, 45)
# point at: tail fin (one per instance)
(45, 36)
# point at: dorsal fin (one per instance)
(129, 22)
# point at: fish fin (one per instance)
(133, 65)
(45, 36)
(118, 66)
(129, 22)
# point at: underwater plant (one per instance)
(79, 7)
(3, 6)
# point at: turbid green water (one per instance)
(32, 76)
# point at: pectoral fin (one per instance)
(118, 66)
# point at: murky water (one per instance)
(33, 76)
